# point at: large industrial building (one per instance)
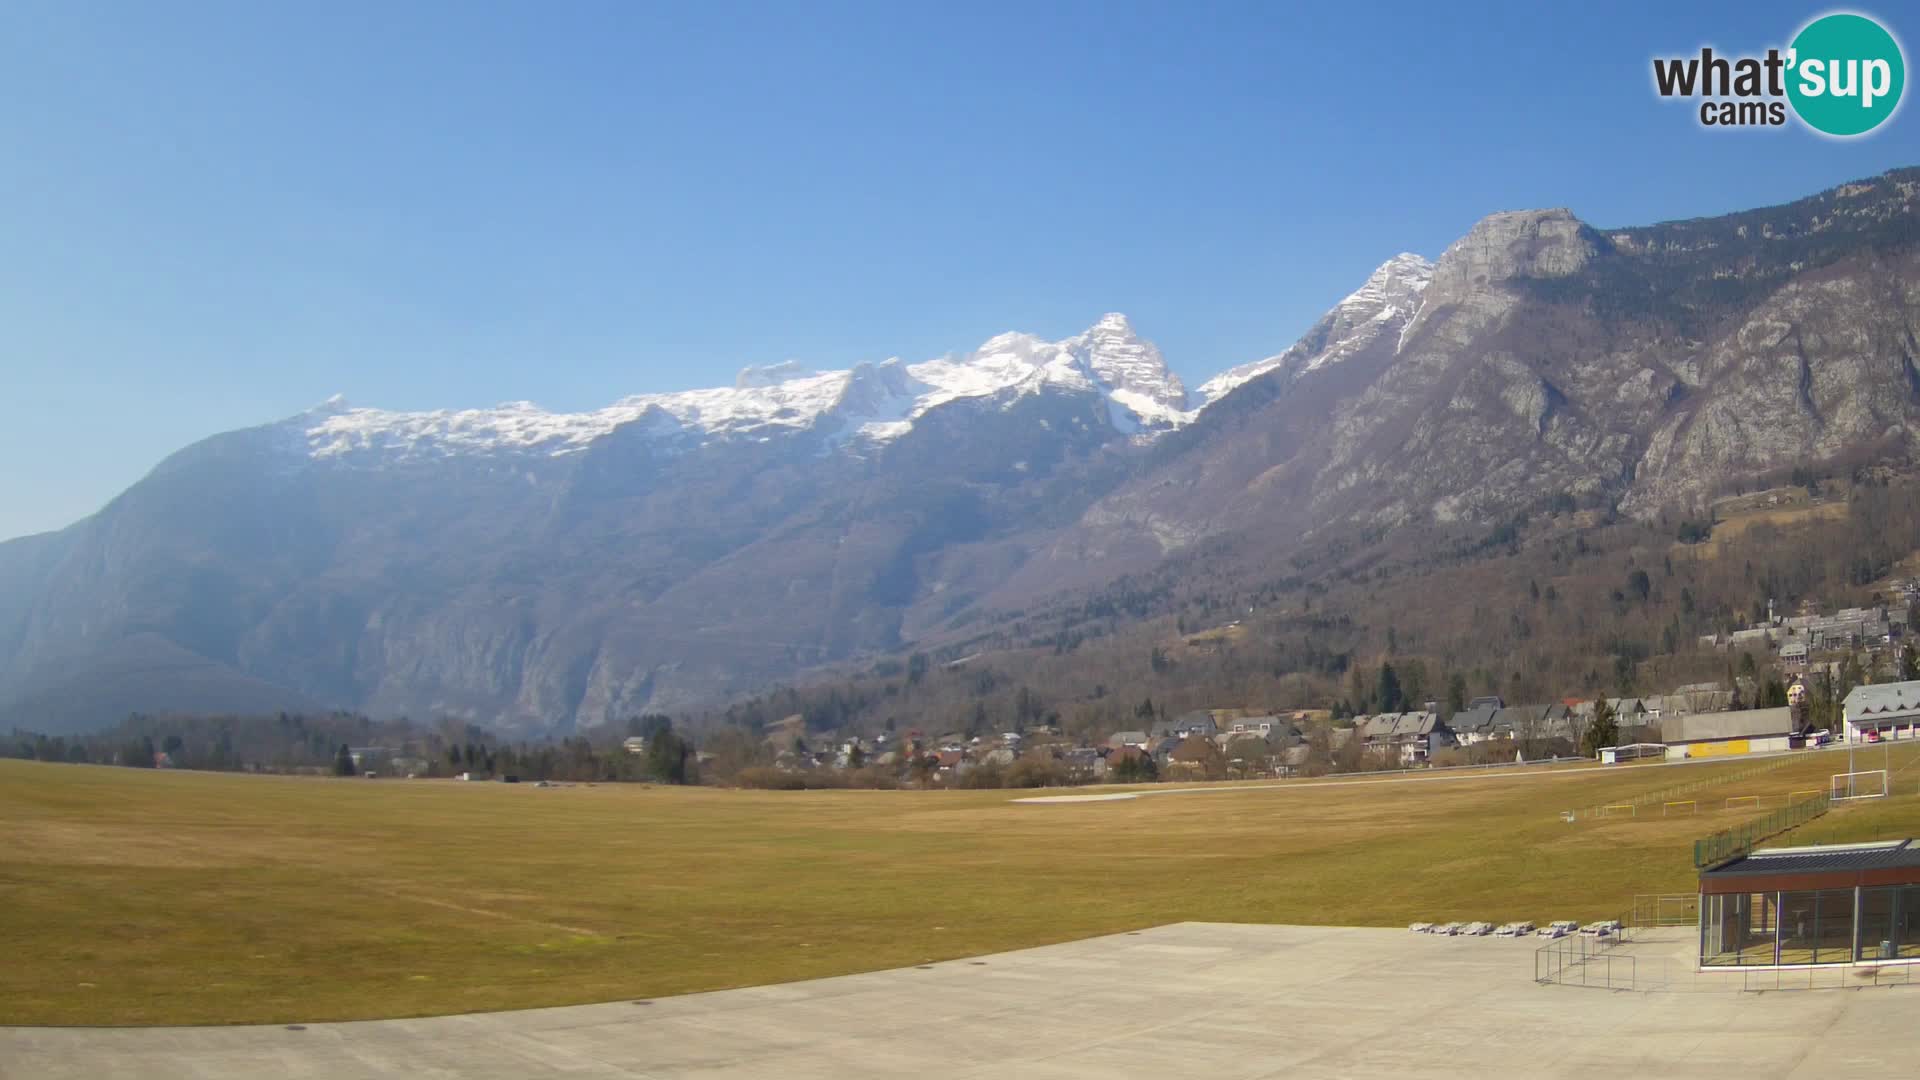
(1716, 734)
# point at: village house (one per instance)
(1293, 760)
(1475, 725)
(1085, 762)
(1248, 749)
(1198, 722)
(951, 765)
(1273, 729)
(1410, 737)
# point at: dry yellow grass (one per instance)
(1733, 526)
(135, 897)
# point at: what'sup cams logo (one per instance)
(1842, 76)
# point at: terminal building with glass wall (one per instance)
(1803, 906)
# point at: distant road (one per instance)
(1565, 768)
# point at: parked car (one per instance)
(1448, 929)
(1558, 928)
(1421, 928)
(1477, 929)
(1513, 929)
(1603, 928)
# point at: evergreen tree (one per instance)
(343, 762)
(667, 755)
(1387, 694)
(1602, 731)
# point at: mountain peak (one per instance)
(1388, 298)
(1396, 283)
(770, 374)
(1134, 372)
(1516, 244)
(1404, 265)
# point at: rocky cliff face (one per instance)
(1642, 368)
(545, 570)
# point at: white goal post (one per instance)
(1678, 807)
(1867, 784)
(1743, 802)
(1619, 810)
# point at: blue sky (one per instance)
(213, 215)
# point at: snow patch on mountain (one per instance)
(875, 403)
(1390, 294)
(870, 402)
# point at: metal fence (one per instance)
(1580, 960)
(1666, 909)
(1667, 794)
(1827, 977)
(1606, 966)
(1654, 952)
(1737, 841)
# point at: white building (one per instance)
(1882, 711)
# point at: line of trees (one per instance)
(325, 744)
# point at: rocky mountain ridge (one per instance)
(546, 571)
(867, 404)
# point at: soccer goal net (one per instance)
(1619, 810)
(1743, 802)
(1677, 808)
(1870, 784)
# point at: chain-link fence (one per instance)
(1666, 909)
(1669, 793)
(1737, 841)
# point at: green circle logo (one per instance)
(1846, 74)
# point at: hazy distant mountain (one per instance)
(545, 570)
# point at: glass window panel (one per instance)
(1833, 927)
(1721, 933)
(1799, 920)
(1877, 940)
(1760, 922)
(1906, 923)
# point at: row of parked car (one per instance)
(1558, 928)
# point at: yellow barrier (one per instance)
(1721, 749)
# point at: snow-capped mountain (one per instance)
(541, 570)
(869, 403)
(1390, 297)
